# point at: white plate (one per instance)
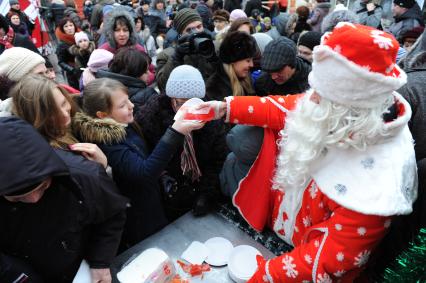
(220, 250)
(242, 263)
(196, 253)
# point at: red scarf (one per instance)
(67, 38)
(8, 39)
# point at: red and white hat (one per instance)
(355, 65)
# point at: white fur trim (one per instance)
(342, 81)
(228, 100)
(290, 205)
(382, 180)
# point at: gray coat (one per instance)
(372, 19)
(415, 93)
(407, 21)
(280, 28)
(318, 14)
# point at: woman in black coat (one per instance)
(232, 77)
(65, 33)
(130, 67)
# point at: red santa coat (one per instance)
(332, 242)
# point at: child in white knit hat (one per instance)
(82, 49)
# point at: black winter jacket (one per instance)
(210, 148)
(80, 216)
(218, 86)
(136, 170)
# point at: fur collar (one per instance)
(77, 51)
(98, 131)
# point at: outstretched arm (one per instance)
(268, 112)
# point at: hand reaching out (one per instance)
(91, 151)
(100, 275)
(219, 108)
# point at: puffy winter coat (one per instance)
(80, 216)
(407, 21)
(136, 170)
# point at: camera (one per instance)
(201, 43)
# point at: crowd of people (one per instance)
(315, 107)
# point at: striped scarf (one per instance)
(188, 162)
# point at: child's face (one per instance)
(122, 108)
(83, 44)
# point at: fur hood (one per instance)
(77, 51)
(98, 131)
(109, 27)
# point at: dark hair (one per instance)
(142, 21)
(239, 22)
(129, 62)
(122, 20)
(303, 13)
(64, 21)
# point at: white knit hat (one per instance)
(79, 36)
(185, 82)
(355, 66)
(17, 62)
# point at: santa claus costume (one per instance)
(332, 171)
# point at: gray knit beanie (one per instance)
(279, 53)
(184, 17)
(17, 62)
(185, 82)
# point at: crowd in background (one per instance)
(102, 113)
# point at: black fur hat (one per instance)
(237, 46)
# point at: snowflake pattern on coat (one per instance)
(313, 189)
(324, 278)
(308, 259)
(362, 258)
(368, 163)
(381, 40)
(289, 266)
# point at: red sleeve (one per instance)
(268, 112)
(336, 249)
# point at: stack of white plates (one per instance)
(242, 263)
(220, 250)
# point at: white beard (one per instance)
(312, 128)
